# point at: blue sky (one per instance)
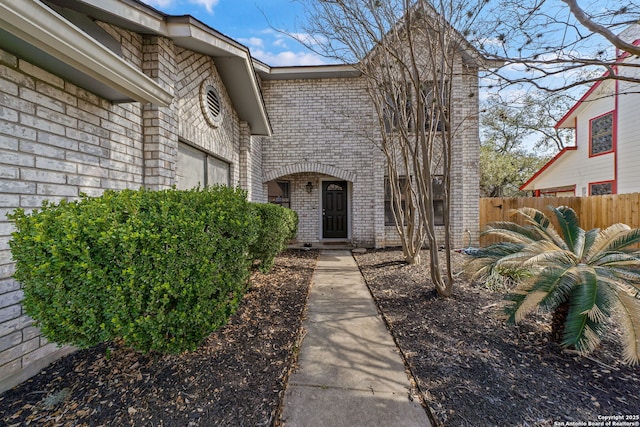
(252, 23)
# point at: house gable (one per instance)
(610, 103)
(578, 166)
(127, 122)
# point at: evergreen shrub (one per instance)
(159, 270)
(277, 226)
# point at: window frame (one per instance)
(612, 133)
(388, 209)
(438, 203)
(611, 182)
(426, 91)
(206, 165)
(395, 113)
(285, 200)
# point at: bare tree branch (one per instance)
(593, 26)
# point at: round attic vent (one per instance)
(211, 105)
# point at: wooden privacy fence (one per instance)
(594, 211)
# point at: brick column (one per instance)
(468, 158)
(245, 159)
(160, 123)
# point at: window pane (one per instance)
(397, 106)
(388, 212)
(217, 172)
(433, 113)
(602, 134)
(438, 211)
(438, 187)
(278, 193)
(190, 168)
(601, 189)
(196, 168)
(438, 203)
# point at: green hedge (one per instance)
(278, 225)
(160, 270)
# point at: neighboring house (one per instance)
(112, 94)
(606, 157)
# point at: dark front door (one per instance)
(334, 209)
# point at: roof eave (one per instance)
(527, 186)
(234, 64)
(50, 33)
(47, 32)
(297, 72)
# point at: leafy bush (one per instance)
(582, 277)
(278, 225)
(160, 270)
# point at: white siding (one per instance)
(576, 167)
(623, 166)
(629, 133)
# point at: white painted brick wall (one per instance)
(223, 141)
(58, 141)
(335, 128)
(324, 125)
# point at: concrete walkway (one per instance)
(349, 370)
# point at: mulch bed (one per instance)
(236, 377)
(473, 370)
(470, 368)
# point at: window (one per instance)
(438, 200)
(217, 171)
(602, 134)
(432, 113)
(197, 168)
(601, 188)
(399, 108)
(278, 193)
(388, 207)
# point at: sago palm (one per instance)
(593, 273)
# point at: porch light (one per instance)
(309, 186)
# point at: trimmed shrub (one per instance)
(278, 225)
(160, 270)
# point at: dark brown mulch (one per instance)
(474, 370)
(236, 378)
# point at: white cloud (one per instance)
(309, 39)
(280, 54)
(281, 38)
(252, 42)
(208, 4)
(490, 41)
(280, 42)
(288, 58)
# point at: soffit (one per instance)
(308, 72)
(233, 60)
(35, 32)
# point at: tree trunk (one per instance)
(558, 322)
(412, 259)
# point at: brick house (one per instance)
(112, 94)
